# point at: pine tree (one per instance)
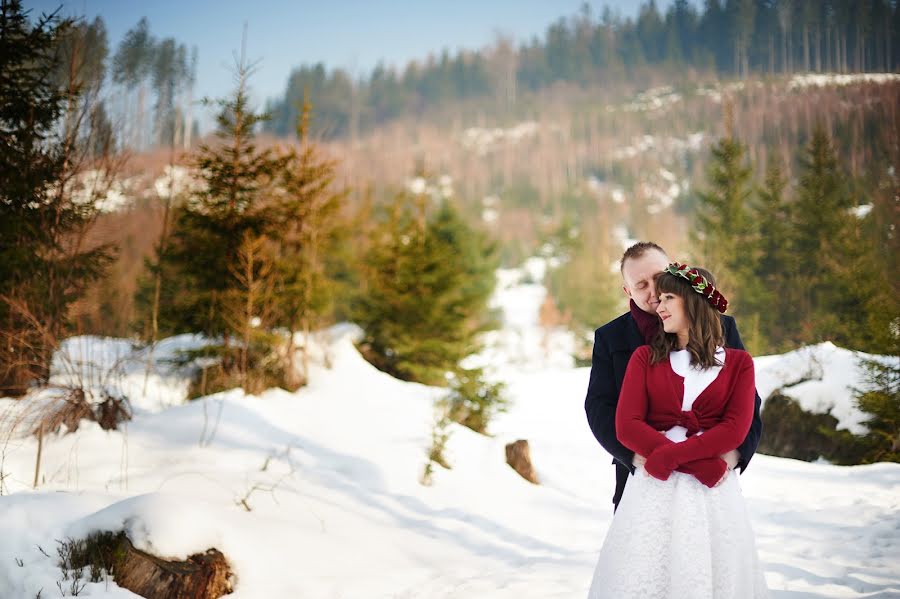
(210, 227)
(43, 266)
(725, 227)
(132, 64)
(829, 249)
(881, 402)
(306, 223)
(881, 262)
(772, 258)
(425, 288)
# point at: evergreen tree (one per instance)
(425, 288)
(881, 262)
(725, 226)
(772, 258)
(170, 69)
(306, 224)
(210, 227)
(43, 268)
(131, 66)
(881, 402)
(828, 247)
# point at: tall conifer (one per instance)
(725, 226)
(828, 248)
(772, 258)
(43, 265)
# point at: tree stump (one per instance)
(202, 576)
(518, 455)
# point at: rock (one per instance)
(518, 455)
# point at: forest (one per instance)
(732, 39)
(120, 219)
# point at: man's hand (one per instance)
(731, 458)
(638, 460)
(724, 476)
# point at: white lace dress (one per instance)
(679, 539)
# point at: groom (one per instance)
(614, 343)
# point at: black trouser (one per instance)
(622, 474)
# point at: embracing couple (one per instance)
(672, 397)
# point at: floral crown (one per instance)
(700, 284)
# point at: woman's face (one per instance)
(673, 314)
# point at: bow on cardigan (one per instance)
(689, 419)
(693, 422)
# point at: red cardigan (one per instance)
(651, 401)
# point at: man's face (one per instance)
(637, 274)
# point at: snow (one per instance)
(826, 79)
(330, 476)
(653, 99)
(176, 180)
(820, 377)
(861, 211)
(97, 187)
(485, 140)
(664, 146)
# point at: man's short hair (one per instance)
(638, 250)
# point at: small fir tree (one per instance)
(881, 402)
(425, 288)
(211, 225)
(307, 225)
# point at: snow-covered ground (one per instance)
(330, 475)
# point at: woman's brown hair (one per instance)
(705, 333)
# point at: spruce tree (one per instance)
(881, 403)
(306, 224)
(828, 247)
(724, 224)
(425, 288)
(43, 267)
(210, 227)
(772, 256)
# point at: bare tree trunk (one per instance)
(784, 54)
(188, 109)
(157, 283)
(746, 57)
(790, 56)
(142, 95)
(354, 112)
(842, 50)
(771, 54)
(888, 50)
(805, 48)
(818, 47)
(40, 450)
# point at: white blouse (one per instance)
(696, 379)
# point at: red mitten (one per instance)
(712, 474)
(662, 462)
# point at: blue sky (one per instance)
(353, 34)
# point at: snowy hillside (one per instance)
(316, 494)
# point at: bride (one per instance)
(682, 529)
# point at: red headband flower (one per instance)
(700, 284)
